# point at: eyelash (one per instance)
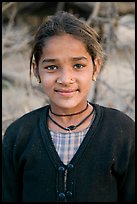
(79, 66)
(53, 67)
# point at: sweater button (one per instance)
(61, 168)
(68, 193)
(62, 196)
(70, 166)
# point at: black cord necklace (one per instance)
(71, 127)
(69, 114)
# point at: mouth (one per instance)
(67, 93)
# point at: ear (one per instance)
(35, 71)
(96, 69)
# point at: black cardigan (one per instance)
(102, 170)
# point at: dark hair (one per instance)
(61, 23)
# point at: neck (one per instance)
(70, 114)
(73, 120)
(72, 126)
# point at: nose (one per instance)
(66, 77)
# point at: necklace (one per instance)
(69, 114)
(71, 127)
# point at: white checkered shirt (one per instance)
(66, 144)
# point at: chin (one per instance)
(67, 104)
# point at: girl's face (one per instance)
(66, 72)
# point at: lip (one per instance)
(66, 93)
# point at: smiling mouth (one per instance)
(66, 93)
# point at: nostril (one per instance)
(65, 81)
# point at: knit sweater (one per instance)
(102, 169)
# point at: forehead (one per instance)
(65, 43)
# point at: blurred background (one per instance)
(115, 23)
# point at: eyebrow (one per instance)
(73, 59)
(79, 58)
(49, 60)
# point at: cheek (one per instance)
(87, 78)
(87, 82)
(47, 81)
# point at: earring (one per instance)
(33, 58)
(94, 78)
(38, 80)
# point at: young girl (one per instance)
(70, 150)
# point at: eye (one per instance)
(51, 67)
(78, 66)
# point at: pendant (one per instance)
(71, 127)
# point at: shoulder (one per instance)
(118, 126)
(113, 113)
(31, 116)
(112, 117)
(26, 122)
